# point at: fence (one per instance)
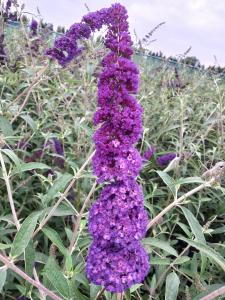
(153, 60)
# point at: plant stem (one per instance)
(29, 88)
(9, 264)
(42, 224)
(119, 296)
(42, 294)
(100, 294)
(214, 294)
(75, 231)
(162, 276)
(180, 200)
(9, 192)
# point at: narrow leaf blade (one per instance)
(160, 244)
(172, 286)
(169, 181)
(24, 235)
(211, 253)
(58, 186)
(29, 166)
(56, 277)
(3, 274)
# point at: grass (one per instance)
(40, 101)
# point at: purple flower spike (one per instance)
(117, 220)
(34, 27)
(2, 50)
(59, 161)
(8, 5)
(165, 159)
(58, 146)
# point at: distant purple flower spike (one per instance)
(58, 146)
(3, 56)
(8, 5)
(149, 153)
(165, 159)
(59, 161)
(34, 27)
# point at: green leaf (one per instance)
(172, 286)
(190, 180)
(29, 258)
(24, 235)
(81, 278)
(181, 260)
(3, 273)
(6, 127)
(211, 253)
(12, 156)
(160, 244)
(219, 230)
(4, 246)
(94, 290)
(160, 261)
(77, 294)
(127, 295)
(61, 211)
(59, 185)
(29, 121)
(169, 181)
(135, 287)
(167, 261)
(184, 227)
(56, 277)
(29, 166)
(196, 228)
(55, 239)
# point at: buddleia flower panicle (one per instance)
(117, 220)
(58, 149)
(33, 27)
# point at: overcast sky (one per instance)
(196, 23)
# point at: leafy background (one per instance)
(41, 101)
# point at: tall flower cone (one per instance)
(117, 220)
